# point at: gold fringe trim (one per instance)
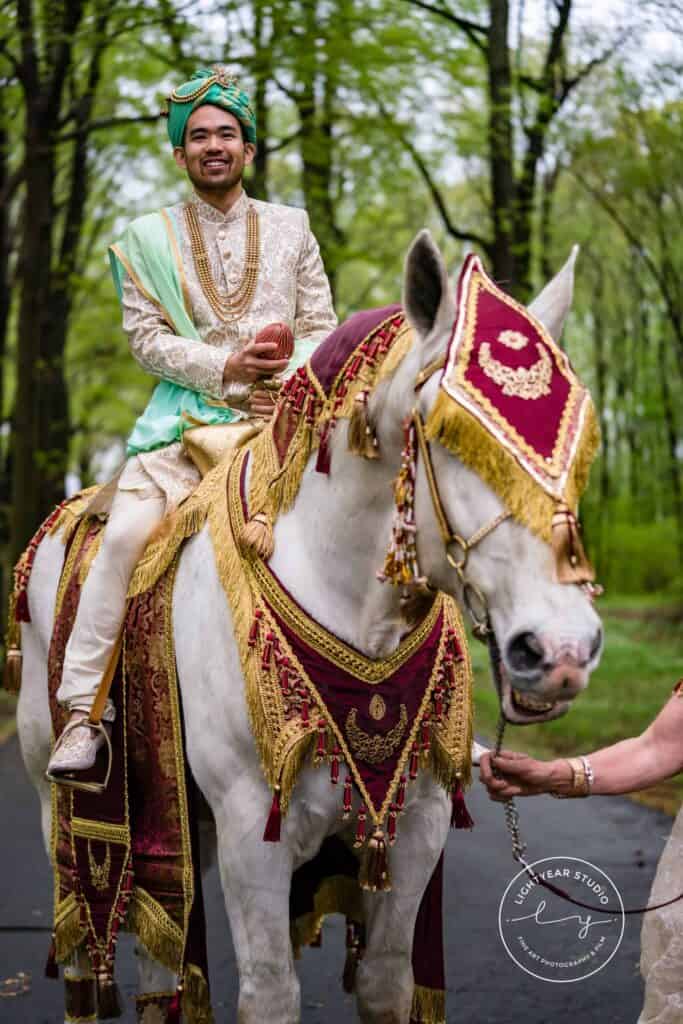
(161, 937)
(164, 545)
(452, 425)
(164, 942)
(69, 517)
(429, 1006)
(338, 894)
(69, 932)
(196, 1003)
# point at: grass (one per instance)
(643, 658)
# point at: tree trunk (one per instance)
(258, 184)
(35, 262)
(317, 147)
(500, 144)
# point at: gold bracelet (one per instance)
(581, 781)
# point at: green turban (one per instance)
(216, 86)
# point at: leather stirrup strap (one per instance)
(97, 709)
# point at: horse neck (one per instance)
(330, 545)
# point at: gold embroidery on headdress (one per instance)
(526, 382)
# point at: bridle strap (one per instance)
(429, 370)
(448, 536)
(474, 600)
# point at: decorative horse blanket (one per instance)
(128, 857)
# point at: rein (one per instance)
(477, 608)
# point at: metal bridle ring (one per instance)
(455, 563)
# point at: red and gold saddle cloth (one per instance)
(126, 857)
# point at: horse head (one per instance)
(505, 571)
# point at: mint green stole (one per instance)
(149, 252)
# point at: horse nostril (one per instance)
(525, 653)
(596, 645)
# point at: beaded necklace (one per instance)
(234, 305)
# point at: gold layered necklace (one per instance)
(232, 306)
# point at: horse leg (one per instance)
(256, 880)
(384, 985)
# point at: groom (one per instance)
(197, 282)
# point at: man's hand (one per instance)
(254, 362)
(521, 775)
(262, 402)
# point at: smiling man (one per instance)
(197, 282)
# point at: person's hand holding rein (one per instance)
(624, 767)
(521, 775)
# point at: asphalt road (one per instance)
(484, 985)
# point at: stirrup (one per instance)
(70, 778)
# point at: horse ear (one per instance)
(554, 302)
(427, 299)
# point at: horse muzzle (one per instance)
(540, 678)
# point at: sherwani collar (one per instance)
(212, 215)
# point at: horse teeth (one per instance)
(525, 700)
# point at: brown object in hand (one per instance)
(281, 335)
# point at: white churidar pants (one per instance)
(137, 508)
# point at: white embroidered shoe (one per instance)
(76, 749)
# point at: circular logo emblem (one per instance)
(552, 939)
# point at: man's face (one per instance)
(214, 153)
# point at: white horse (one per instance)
(328, 548)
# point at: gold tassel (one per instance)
(571, 562)
(429, 1006)
(12, 674)
(196, 1000)
(361, 437)
(454, 427)
(374, 867)
(257, 536)
(108, 998)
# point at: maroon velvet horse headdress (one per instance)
(511, 407)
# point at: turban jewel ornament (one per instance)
(216, 86)
(511, 407)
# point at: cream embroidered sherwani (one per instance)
(292, 288)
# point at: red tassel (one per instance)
(414, 754)
(324, 460)
(254, 631)
(460, 816)
(304, 711)
(272, 830)
(391, 826)
(21, 611)
(334, 766)
(360, 827)
(438, 702)
(424, 733)
(267, 650)
(174, 1007)
(51, 968)
(321, 748)
(347, 797)
(401, 795)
